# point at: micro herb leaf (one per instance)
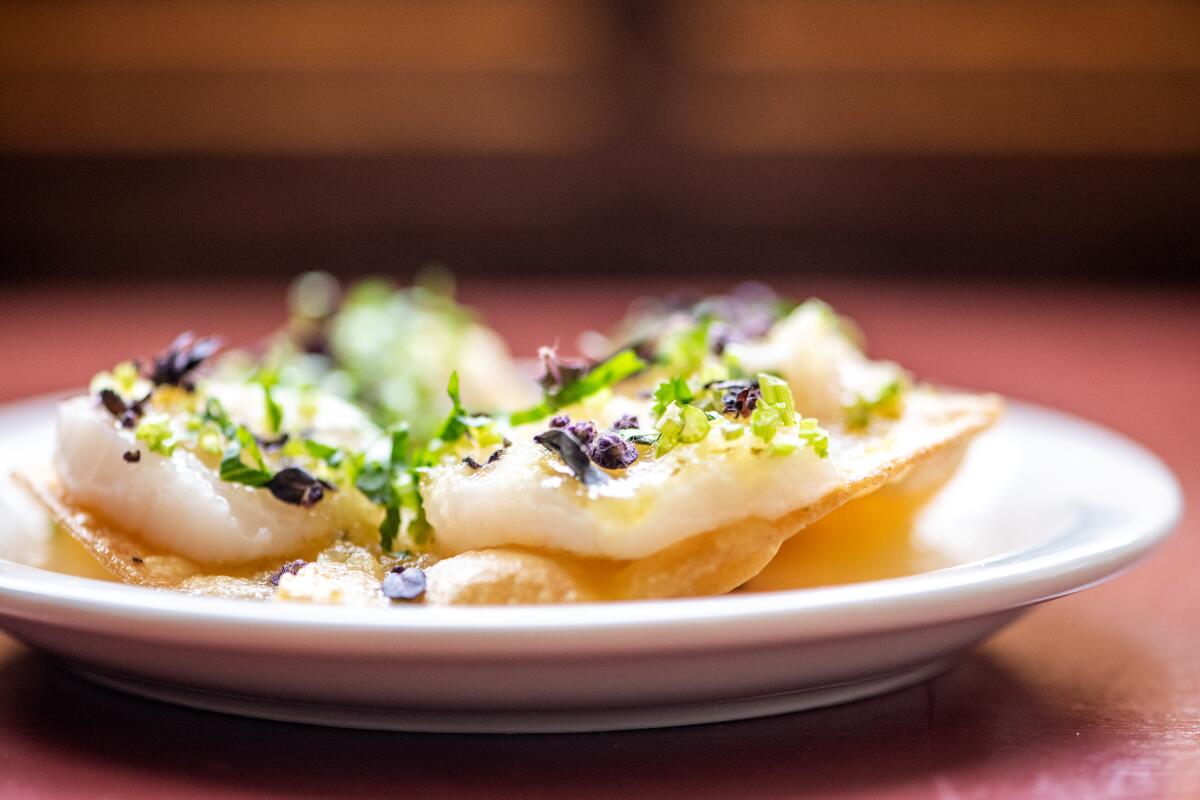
(638, 435)
(243, 461)
(395, 484)
(608, 372)
(174, 365)
(673, 390)
(272, 412)
(332, 456)
(214, 412)
(458, 422)
(889, 402)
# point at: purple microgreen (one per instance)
(557, 371)
(625, 422)
(126, 414)
(584, 431)
(738, 398)
(611, 451)
(495, 456)
(173, 366)
(560, 421)
(472, 463)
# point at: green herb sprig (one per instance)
(609, 372)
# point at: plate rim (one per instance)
(927, 598)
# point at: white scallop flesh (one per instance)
(529, 497)
(823, 367)
(178, 502)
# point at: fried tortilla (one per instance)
(917, 450)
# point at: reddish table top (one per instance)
(1095, 695)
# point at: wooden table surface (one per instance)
(1096, 695)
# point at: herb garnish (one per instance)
(394, 484)
(573, 454)
(625, 422)
(686, 424)
(155, 432)
(612, 451)
(459, 422)
(173, 365)
(888, 403)
(577, 385)
(127, 414)
(673, 390)
(738, 398)
(132, 456)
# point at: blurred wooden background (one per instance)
(973, 139)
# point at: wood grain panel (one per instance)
(164, 113)
(770, 36)
(303, 36)
(937, 113)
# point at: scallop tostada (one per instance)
(349, 461)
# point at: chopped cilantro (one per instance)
(394, 485)
(673, 390)
(459, 422)
(243, 461)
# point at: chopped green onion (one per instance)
(680, 425)
(766, 421)
(155, 432)
(776, 392)
(812, 434)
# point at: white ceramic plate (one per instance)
(1044, 505)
